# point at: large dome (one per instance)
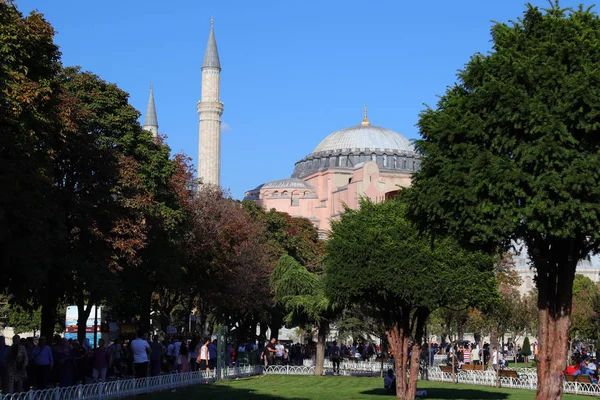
(365, 137)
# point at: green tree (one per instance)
(584, 317)
(25, 321)
(28, 227)
(511, 153)
(526, 349)
(302, 293)
(377, 259)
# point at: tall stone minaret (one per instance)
(150, 121)
(210, 110)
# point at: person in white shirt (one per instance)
(475, 356)
(204, 356)
(279, 354)
(140, 350)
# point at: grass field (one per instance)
(275, 387)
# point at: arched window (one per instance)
(404, 163)
(385, 162)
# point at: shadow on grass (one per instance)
(456, 394)
(217, 392)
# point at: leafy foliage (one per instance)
(376, 259)
(526, 349)
(510, 152)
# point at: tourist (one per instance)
(170, 354)
(16, 364)
(156, 354)
(389, 382)
(115, 350)
(334, 355)
(467, 354)
(194, 351)
(140, 350)
(101, 361)
(63, 363)
(279, 353)
(212, 352)
(229, 355)
(183, 361)
(43, 362)
(79, 360)
(3, 354)
(475, 356)
(204, 356)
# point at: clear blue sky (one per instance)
(292, 71)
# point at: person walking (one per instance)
(140, 350)
(16, 366)
(212, 352)
(101, 359)
(204, 356)
(184, 360)
(334, 355)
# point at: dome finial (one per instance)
(365, 121)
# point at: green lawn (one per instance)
(273, 387)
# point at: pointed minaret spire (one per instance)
(150, 121)
(210, 110)
(211, 56)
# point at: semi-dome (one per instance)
(365, 137)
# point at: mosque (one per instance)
(359, 161)
(355, 162)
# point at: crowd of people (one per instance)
(583, 363)
(36, 364)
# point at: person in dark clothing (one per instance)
(212, 353)
(334, 356)
(156, 355)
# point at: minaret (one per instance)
(151, 122)
(210, 110)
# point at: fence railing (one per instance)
(526, 377)
(131, 387)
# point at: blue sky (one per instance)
(292, 71)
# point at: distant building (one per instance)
(589, 268)
(355, 162)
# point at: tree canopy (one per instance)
(510, 152)
(377, 259)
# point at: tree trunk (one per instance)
(555, 266)
(82, 317)
(48, 317)
(419, 328)
(321, 336)
(145, 310)
(398, 345)
(262, 336)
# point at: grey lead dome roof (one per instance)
(288, 183)
(365, 137)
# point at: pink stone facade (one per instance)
(329, 190)
(352, 163)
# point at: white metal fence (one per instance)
(526, 377)
(125, 388)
